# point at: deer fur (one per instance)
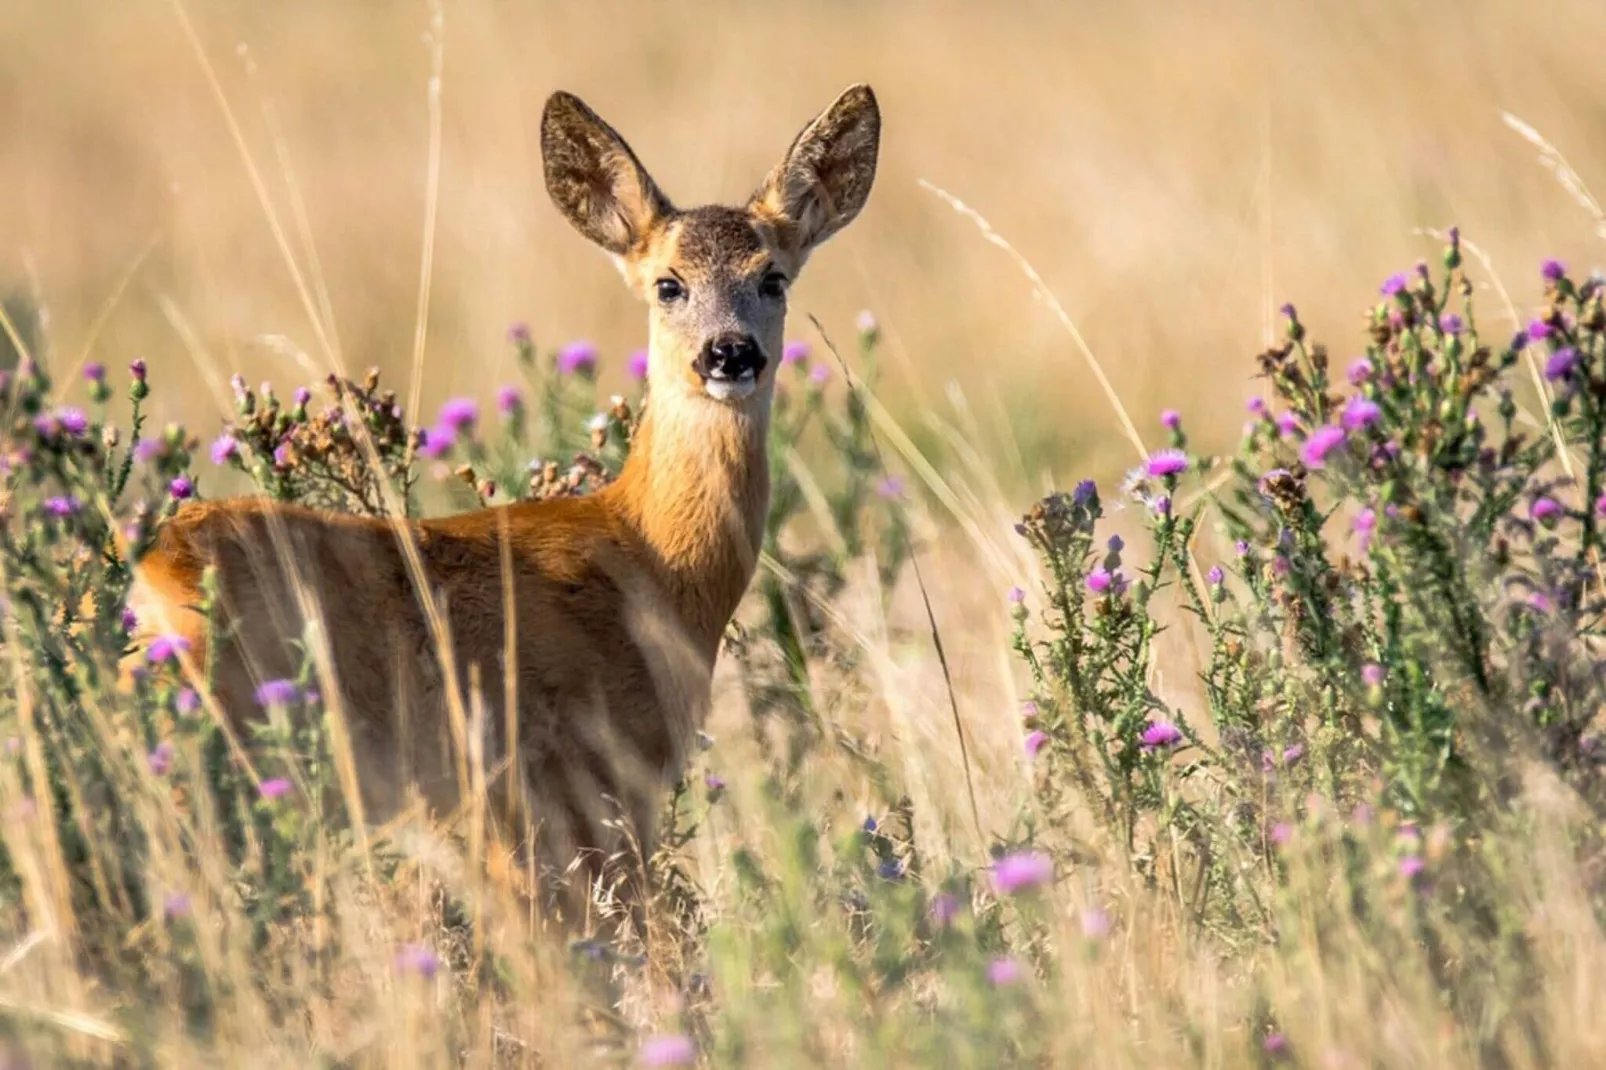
(620, 598)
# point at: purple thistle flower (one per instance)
(1394, 284)
(819, 374)
(1241, 547)
(275, 788)
(1162, 505)
(1098, 581)
(1553, 270)
(130, 619)
(637, 364)
(1538, 331)
(459, 414)
(224, 449)
(147, 450)
(944, 908)
(1003, 972)
(1160, 734)
(519, 334)
(1360, 370)
(1084, 492)
(165, 648)
(438, 442)
(1215, 577)
(1287, 424)
(277, 693)
(1322, 442)
(414, 958)
(1257, 406)
(181, 487)
(889, 489)
(1365, 521)
(1546, 510)
(62, 506)
(94, 372)
(1171, 420)
(187, 701)
(1360, 412)
(577, 358)
(72, 421)
(1281, 833)
(1411, 866)
(1280, 565)
(1164, 463)
(714, 783)
(866, 322)
(1561, 363)
(794, 353)
(1600, 505)
(508, 400)
(1016, 596)
(45, 425)
(1095, 923)
(1289, 312)
(1115, 544)
(1372, 674)
(1451, 324)
(175, 905)
(137, 369)
(667, 1049)
(1274, 1044)
(160, 759)
(869, 824)
(282, 455)
(1021, 871)
(1292, 754)
(1540, 602)
(302, 396)
(1035, 742)
(1028, 710)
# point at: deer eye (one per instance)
(670, 290)
(773, 285)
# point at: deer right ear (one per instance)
(826, 176)
(594, 178)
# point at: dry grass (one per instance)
(1173, 172)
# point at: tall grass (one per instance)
(1332, 801)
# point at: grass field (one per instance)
(1373, 839)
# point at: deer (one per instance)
(590, 624)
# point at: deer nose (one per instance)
(732, 356)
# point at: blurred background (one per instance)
(1174, 171)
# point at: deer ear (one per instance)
(594, 178)
(825, 178)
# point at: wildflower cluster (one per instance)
(1410, 564)
(345, 457)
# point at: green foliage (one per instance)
(1338, 827)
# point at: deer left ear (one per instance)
(825, 178)
(595, 179)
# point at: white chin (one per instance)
(731, 389)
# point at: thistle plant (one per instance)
(1393, 585)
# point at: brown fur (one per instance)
(619, 599)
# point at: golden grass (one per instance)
(1173, 171)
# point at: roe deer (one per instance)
(618, 599)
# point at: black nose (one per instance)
(731, 356)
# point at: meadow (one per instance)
(1177, 642)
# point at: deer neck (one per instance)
(696, 490)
